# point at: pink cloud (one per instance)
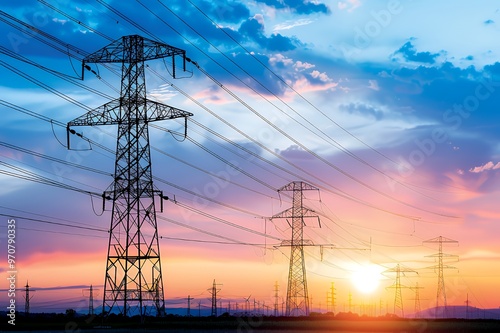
(488, 166)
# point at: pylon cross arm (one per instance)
(290, 213)
(305, 242)
(106, 114)
(297, 185)
(114, 52)
(159, 111)
(109, 113)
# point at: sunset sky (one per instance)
(388, 107)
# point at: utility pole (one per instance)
(297, 297)
(213, 291)
(133, 276)
(398, 297)
(467, 307)
(189, 306)
(441, 290)
(91, 302)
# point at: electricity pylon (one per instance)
(441, 291)
(297, 298)
(417, 300)
(27, 299)
(213, 291)
(330, 299)
(276, 298)
(133, 277)
(91, 291)
(189, 305)
(398, 297)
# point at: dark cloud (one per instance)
(254, 31)
(409, 53)
(362, 109)
(224, 11)
(298, 6)
(488, 22)
(294, 152)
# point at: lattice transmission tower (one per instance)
(27, 299)
(276, 298)
(398, 296)
(441, 290)
(330, 299)
(214, 291)
(297, 298)
(133, 280)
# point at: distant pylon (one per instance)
(417, 300)
(441, 290)
(213, 291)
(189, 306)
(467, 307)
(398, 297)
(297, 297)
(350, 301)
(27, 299)
(330, 299)
(92, 292)
(133, 278)
(276, 298)
(91, 302)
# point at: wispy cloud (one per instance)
(486, 167)
(289, 24)
(349, 5)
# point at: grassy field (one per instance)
(60, 323)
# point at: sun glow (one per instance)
(366, 278)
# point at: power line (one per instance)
(388, 196)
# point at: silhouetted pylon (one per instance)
(27, 299)
(297, 297)
(417, 300)
(92, 292)
(133, 277)
(398, 297)
(213, 291)
(441, 290)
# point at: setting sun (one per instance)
(366, 278)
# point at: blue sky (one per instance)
(412, 84)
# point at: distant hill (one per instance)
(460, 312)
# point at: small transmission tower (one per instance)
(213, 291)
(133, 270)
(418, 309)
(92, 292)
(441, 290)
(276, 298)
(398, 297)
(27, 299)
(330, 299)
(297, 298)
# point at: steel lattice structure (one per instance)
(133, 270)
(398, 296)
(441, 290)
(297, 297)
